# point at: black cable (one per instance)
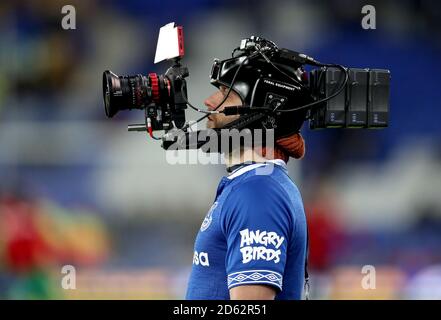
(278, 69)
(305, 60)
(252, 55)
(207, 113)
(308, 60)
(234, 51)
(315, 103)
(190, 105)
(152, 136)
(147, 126)
(313, 62)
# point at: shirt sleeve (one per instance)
(257, 224)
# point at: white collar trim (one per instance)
(250, 167)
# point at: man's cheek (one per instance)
(211, 124)
(228, 119)
(218, 120)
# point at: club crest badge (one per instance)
(208, 218)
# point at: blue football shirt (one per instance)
(254, 233)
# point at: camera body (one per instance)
(161, 96)
(170, 112)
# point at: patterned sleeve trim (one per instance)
(255, 277)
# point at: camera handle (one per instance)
(137, 127)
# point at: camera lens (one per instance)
(107, 78)
(125, 92)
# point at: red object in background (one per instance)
(24, 253)
(35, 237)
(24, 247)
(325, 235)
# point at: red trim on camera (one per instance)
(181, 40)
(154, 81)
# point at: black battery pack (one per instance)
(331, 114)
(357, 98)
(363, 103)
(317, 115)
(379, 92)
(335, 108)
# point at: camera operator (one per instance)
(252, 243)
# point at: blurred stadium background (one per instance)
(78, 189)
